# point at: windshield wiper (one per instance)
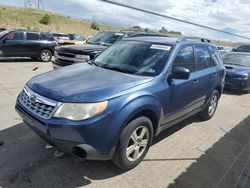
(96, 63)
(117, 69)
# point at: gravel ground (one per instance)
(193, 153)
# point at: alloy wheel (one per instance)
(213, 105)
(137, 144)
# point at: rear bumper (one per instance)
(71, 138)
(237, 84)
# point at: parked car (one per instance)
(2, 29)
(68, 55)
(20, 43)
(243, 48)
(61, 38)
(76, 39)
(113, 106)
(237, 71)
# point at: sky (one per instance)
(227, 15)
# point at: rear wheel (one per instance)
(45, 55)
(134, 143)
(211, 107)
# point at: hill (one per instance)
(27, 18)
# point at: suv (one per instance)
(20, 43)
(68, 55)
(113, 106)
(243, 48)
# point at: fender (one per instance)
(131, 106)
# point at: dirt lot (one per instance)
(193, 153)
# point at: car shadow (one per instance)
(225, 164)
(19, 60)
(233, 92)
(175, 128)
(25, 162)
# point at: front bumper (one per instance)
(93, 137)
(57, 64)
(237, 84)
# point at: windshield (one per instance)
(2, 33)
(237, 59)
(106, 38)
(76, 37)
(133, 57)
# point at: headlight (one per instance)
(82, 57)
(80, 111)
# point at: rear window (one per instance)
(203, 57)
(216, 57)
(33, 36)
(47, 36)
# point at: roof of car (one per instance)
(166, 40)
(242, 53)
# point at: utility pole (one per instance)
(39, 4)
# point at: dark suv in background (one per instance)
(113, 106)
(68, 55)
(243, 48)
(22, 43)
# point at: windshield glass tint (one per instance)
(237, 59)
(107, 38)
(140, 58)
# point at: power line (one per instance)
(173, 18)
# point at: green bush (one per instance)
(46, 19)
(94, 26)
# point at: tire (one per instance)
(211, 107)
(45, 55)
(129, 153)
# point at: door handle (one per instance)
(195, 81)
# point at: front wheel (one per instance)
(211, 107)
(134, 143)
(45, 55)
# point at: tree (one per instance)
(94, 26)
(163, 30)
(137, 28)
(46, 19)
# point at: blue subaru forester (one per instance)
(113, 106)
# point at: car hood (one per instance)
(84, 49)
(236, 70)
(83, 83)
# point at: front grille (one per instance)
(70, 58)
(37, 104)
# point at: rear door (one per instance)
(205, 73)
(12, 44)
(32, 44)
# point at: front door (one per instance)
(180, 95)
(12, 44)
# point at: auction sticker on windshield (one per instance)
(160, 47)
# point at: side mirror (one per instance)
(180, 73)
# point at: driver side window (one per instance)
(185, 58)
(14, 36)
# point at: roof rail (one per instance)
(198, 39)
